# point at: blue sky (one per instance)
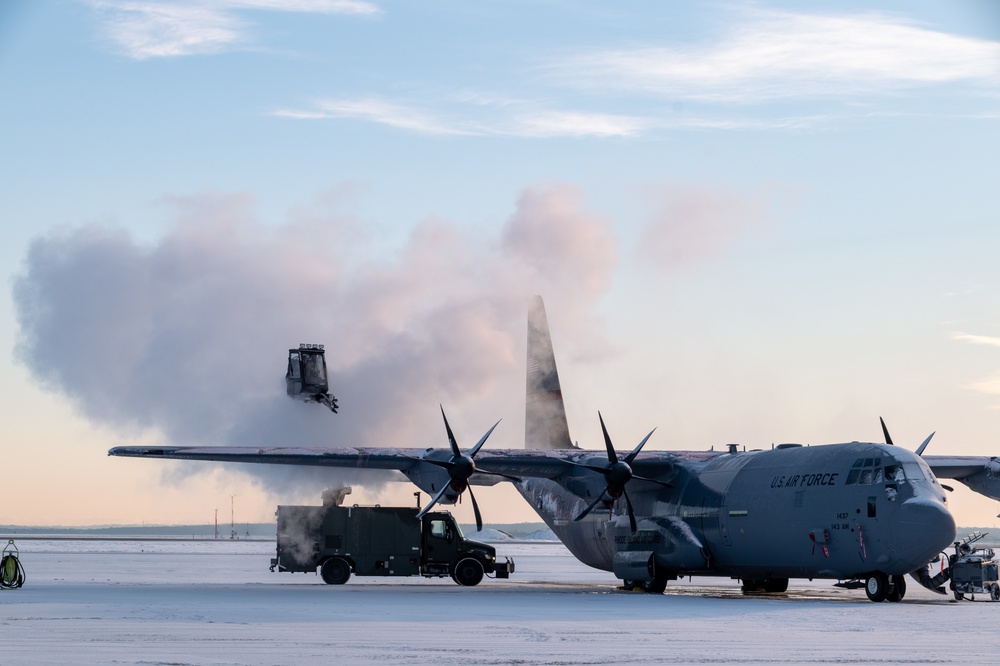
(752, 222)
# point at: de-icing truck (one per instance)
(379, 541)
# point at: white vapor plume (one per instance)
(691, 223)
(187, 337)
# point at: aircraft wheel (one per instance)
(657, 585)
(468, 571)
(897, 590)
(775, 584)
(877, 587)
(335, 571)
(751, 586)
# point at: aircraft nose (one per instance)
(924, 527)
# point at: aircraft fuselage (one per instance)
(838, 511)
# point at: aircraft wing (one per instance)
(980, 473)
(510, 462)
(364, 458)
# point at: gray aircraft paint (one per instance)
(787, 513)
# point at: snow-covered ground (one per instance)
(215, 602)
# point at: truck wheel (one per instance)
(877, 586)
(335, 571)
(995, 592)
(468, 571)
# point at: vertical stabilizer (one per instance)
(544, 414)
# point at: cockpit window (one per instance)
(869, 471)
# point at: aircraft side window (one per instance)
(852, 477)
(877, 477)
(866, 477)
(893, 473)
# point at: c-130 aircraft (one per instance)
(865, 514)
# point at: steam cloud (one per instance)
(692, 223)
(187, 336)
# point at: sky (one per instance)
(751, 222)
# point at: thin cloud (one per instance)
(380, 112)
(143, 30)
(578, 123)
(991, 385)
(781, 55)
(311, 6)
(976, 339)
(520, 119)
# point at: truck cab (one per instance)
(445, 550)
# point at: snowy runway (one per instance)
(215, 602)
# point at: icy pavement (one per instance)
(215, 602)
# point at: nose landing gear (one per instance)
(880, 587)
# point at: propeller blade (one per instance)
(631, 513)
(475, 509)
(506, 476)
(589, 508)
(612, 456)
(479, 444)
(630, 457)
(665, 484)
(592, 468)
(434, 501)
(885, 431)
(446, 464)
(920, 449)
(451, 436)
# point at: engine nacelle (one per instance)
(431, 478)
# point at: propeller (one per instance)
(460, 468)
(885, 431)
(617, 473)
(920, 449)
